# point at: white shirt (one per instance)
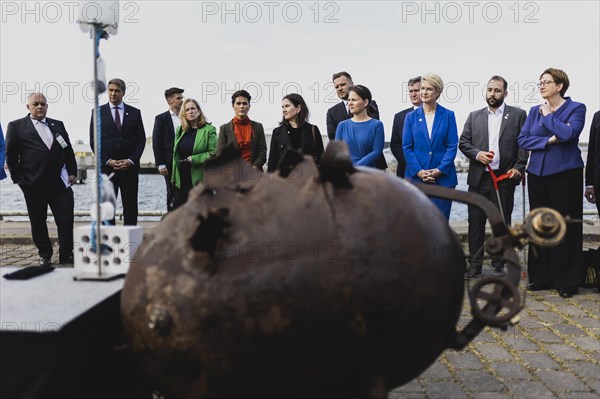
(44, 131)
(175, 119)
(494, 122)
(429, 121)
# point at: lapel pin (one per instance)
(420, 120)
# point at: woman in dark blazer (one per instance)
(429, 141)
(295, 132)
(555, 173)
(247, 136)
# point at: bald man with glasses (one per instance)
(41, 161)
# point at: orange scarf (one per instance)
(243, 134)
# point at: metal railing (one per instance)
(159, 214)
(85, 214)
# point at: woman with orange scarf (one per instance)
(246, 135)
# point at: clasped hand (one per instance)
(120, 164)
(429, 175)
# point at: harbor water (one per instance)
(152, 194)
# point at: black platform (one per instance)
(61, 338)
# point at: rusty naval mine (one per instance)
(330, 282)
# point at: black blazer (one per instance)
(396, 141)
(129, 144)
(163, 136)
(592, 167)
(339, 113)
(28, 158)
(280, 140)
(258, 143)
(475, 138)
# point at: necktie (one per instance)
(117, 119)
(47, 134)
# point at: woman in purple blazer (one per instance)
(555, 172)
(430, 140)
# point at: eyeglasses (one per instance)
(545, 83)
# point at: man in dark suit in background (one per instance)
(40, 159)
(163, 136)
(592, 166)
(414, 91)
(490, 138)
(123, 141)
(592, 171)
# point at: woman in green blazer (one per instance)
(195, 142)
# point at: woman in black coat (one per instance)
(295, 132)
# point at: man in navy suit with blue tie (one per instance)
(123, 141)
(41, 161)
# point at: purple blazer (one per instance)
(566, 124)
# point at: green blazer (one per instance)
(205, 147)
(258, 143)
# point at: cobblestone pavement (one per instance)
(554, 352)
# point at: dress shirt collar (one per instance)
(36, 121)
(120, 106)
(499, 111)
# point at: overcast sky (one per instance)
(272, 48)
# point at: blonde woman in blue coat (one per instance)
(429, 141)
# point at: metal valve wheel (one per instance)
(494, 301)
(545, 227)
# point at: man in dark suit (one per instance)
(342, 82)
(592, 166)
(123, 141)
(592, 169)
(414, 91)
(163, 136)
(490, 138)
(41, 161)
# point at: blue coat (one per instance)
(2, 155)
(439, 152)
(566, 123)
